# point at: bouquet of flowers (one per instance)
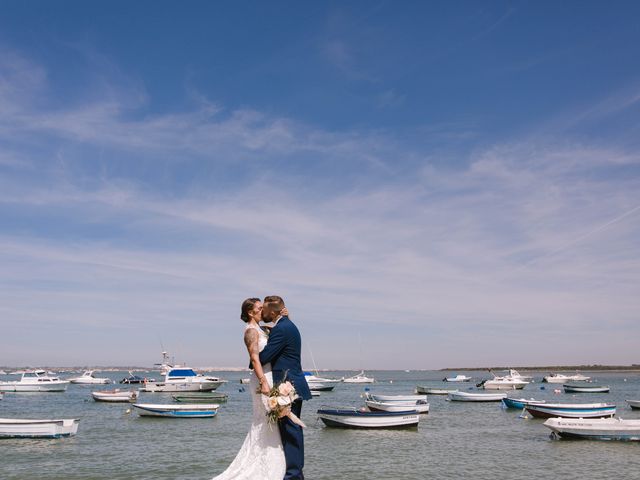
(279, 401)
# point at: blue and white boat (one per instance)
(183, 379)
(353, 418)
(571, 410)
(595, 429)
(519, 402)
(176, 411)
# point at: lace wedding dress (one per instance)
(261, 456)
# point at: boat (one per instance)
(319, 384)
(359, 378)
(571, 410)
(519, 402)
(457, 378)
(24, 428)
(353, 418)
(634, 404)
(115, 396)
(135, 379)
(475, 397)
(35, 381)
(2, 372)
(596, 429)
(375, 403)
(506, 382)
(204, 397)
(87, 378)
(176, 411)
(183, 379)
(434, 391)
(560, 378)
(396, 398)
(585, 388)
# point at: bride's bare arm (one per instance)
(251, 341)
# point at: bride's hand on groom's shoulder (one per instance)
(284, 312)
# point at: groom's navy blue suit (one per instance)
(283, 352)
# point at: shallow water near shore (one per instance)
(455, 440)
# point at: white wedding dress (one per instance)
(261, 456)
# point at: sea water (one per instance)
(456, 440)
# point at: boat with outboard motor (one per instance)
(512, 381)
(457, 378)
(560, 378)
(359, 378)
(183, 379)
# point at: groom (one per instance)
(283, 352)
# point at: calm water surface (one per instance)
(454, 441)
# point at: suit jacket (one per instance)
(283, 352)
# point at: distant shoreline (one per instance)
(561, 368)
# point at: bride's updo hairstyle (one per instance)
(247, 306)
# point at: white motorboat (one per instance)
(585, 388)
(396, 398)
(475, 397)
(87, 378)
(435, 391)
(23, 428)
(2, 372)
(183, 379)
(352, 418)
(596, 429)
(506, 382)
(183, 410)
(115, 396)
(457, 378)
(319, 384)
(359, 378)
(571, 410)
(35, 381)
(634, 404)
(560, 378)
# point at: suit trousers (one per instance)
(293, 444)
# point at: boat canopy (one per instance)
(182, 372)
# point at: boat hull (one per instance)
(396, 406)
(358, 419)
(21, 387)
(397, 398)
(201, 398)
(598, 429)
(125, 396)
(475, 397)
(176, 411)
(434, 391)
(634, 404)
(585, 389)
(570, 411)
(180, 387)
(19, 428)
(498, 385)
(519, 402)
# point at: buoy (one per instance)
(390, 381)
(366, 389)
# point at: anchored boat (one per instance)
(22, 428)
(183, 379)
(87, 378)
(596, 429)
(475, 397)
(352, 418)
(35, 381)
(571, 410)
(176, 411)
(115, 396)
(585, 388)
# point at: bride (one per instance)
(261, 456)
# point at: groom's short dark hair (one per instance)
(275, 302)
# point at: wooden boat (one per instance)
(22, 428)
(396, 398)
(176, 411)
(571, 410)
(434, 391)
(596, 429)
(420, 406)
(519, 402)
(204, 397)
(475, 397)
(585, 388)
(352, 418)
(634, 404)
(115, 396)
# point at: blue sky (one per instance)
(453, 183)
